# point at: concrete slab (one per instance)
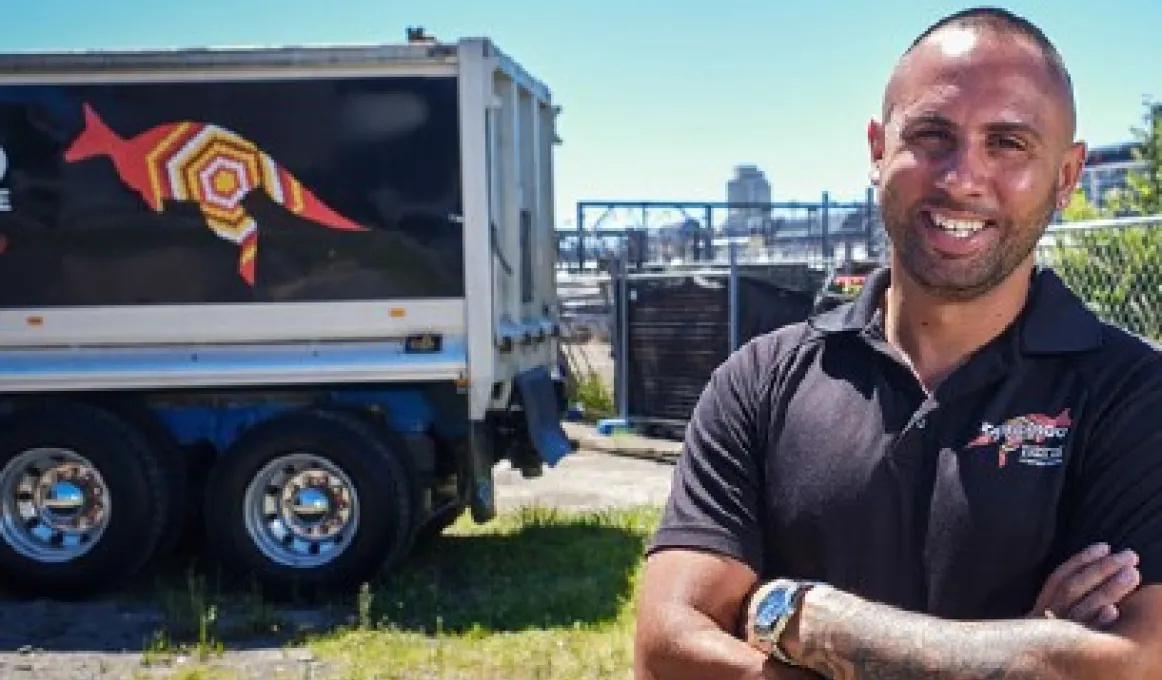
(585, 436)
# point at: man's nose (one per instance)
(964, 171)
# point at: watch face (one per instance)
(774, 605)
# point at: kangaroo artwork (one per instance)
(230, 192)
(209, 166)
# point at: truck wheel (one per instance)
(175, 472)
(83, 500)
(315, 500)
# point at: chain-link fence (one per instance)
(1115, 265)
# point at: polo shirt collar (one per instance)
(1054, 320)
(861, 312)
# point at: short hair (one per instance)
(1005, 22)
(1002, 21)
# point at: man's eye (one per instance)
(929, 136)
(1008, 143)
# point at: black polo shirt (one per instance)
(815, 453)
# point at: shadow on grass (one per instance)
(549, 570)
(535, 568)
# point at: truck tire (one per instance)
(175, 474)
(309, 502)
(83, 500)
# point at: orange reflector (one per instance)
(397, 312)
(35, 320)
(463, 382)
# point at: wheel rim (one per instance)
(55, 504)
(301, 511)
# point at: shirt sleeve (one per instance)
(1117, 491)
(715, 497)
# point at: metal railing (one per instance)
(1115, 265)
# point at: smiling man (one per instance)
(957, 475)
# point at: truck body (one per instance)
(302, 297)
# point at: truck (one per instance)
(301, 299)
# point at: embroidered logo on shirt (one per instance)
(1029, 435)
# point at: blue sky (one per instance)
(661, 99)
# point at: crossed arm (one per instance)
(691, 621)
(846, 638)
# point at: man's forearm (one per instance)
(844, 637)
(678, 643)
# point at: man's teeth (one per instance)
(961, 228)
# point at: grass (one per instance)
(536, 593)
(539, 593)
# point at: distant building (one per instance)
(1106, 168)
(749, 185)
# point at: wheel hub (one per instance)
(71, 498)
(316, 505)
(310, 505)
(301, 510)
(54, 505)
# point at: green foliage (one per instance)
(590, 390)
(1144, 193)
(1118, 271)
(1080, 209)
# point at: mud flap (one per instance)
(540, 403)
(481, 458)
(539, 406)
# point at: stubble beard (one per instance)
(962, 279)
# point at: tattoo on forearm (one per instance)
(850, 639)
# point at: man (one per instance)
(906, 486)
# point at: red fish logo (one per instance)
(209, 166)
(1016, 432)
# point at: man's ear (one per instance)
(875, 141)
(1072, 162)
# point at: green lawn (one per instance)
(538, 593)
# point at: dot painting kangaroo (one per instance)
(208, 165)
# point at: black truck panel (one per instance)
(225, 191)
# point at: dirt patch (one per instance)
(174, 618)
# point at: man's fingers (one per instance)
(1050, 593)
(1108, 593)
(1088, 579)
(1106, 617)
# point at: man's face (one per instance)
(975, 156)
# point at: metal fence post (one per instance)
(732, 295)
(621, 362)
(580, 239)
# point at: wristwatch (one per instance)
(774, 605)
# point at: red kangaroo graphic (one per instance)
(208, 165)
(1015, 432)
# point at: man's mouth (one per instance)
(958, 235)
(958, 227)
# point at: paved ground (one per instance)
(103, 640)
(588, 480)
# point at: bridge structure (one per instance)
(665, 232)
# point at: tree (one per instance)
(1143, 195)
(1118, 270)
(1079, 209)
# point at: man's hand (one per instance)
(1088, 587)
